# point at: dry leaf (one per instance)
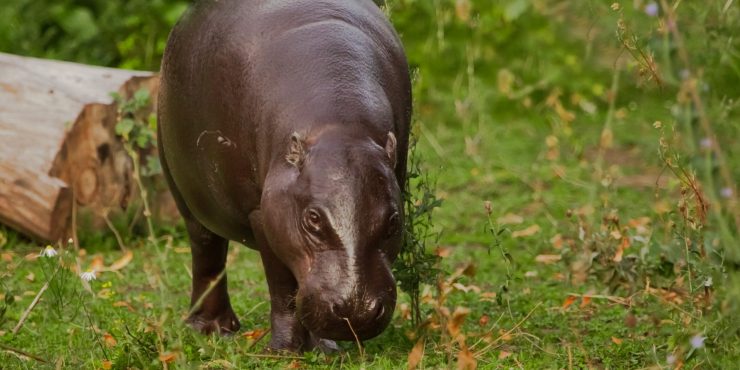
(124, 304)
(416, 354)
(616, 235)
(31, 256)
(630, 321)
(167, 357)
(616, 340)
(531, 274)
(462, 10)
(505, 335)
(31, 276)
(586, 300)
(569, 301)
(557, 241)
(465, 288)
(295, 364)
(121, 262)
(618, 255)
(458, 317)
(548, 258)
(254, 334)
(7, 257)
(97, 263)
(443, 252)
(484, 320)
(107, 365)
(534, 229)
(510, 219)
(181, 250)
(488, 297)
(503, 354)
(620, 250)
(466, 360)
(109, 340)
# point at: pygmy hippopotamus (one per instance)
(283, 125)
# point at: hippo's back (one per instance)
(238, 76)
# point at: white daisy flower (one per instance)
(49, 251)
(697, 341)
(88, 275)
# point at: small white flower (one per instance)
(671, 359)
(652, 9)
(706, 143)
(725, 192)
(88, 275)
(708, 283)
(49, 251)
(697, 341)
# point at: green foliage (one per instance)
(415, 265)
(127, 34)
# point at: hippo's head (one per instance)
(333, 214)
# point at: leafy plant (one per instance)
(415, 265)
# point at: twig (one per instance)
(23, 353)
(357, 340)
(279, 357)
(493, 342)
(260, 338)
(724, 171)
(114, 231)
(34, 303)
(211, 285)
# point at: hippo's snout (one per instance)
(336, 319)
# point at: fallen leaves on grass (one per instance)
(466, 360)
(109, 340)
(121, 262)
(416, 354)
(616, 341)
(510, 219)
(458, 318)
(503, 354)
(569, 301)
(548, 258)
(532, 230)
(167, 357)
(254, 334)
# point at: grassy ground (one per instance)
(606, 257)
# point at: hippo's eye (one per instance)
(394, 225)
(312, 219)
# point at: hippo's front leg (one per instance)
(287, 331)
(210, 307)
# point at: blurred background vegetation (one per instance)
(567, 114)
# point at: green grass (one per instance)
(485, 135)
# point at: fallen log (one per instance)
(58, 144)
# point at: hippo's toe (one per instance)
(224, 324)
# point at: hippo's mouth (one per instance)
(345, 321)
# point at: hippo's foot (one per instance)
(326, 346)
(223, 324)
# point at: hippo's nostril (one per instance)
(377, 309)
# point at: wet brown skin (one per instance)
(283, 125)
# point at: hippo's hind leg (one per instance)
(210, 307)
(287, 331)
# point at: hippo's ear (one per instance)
(390, 148)
(296, 154)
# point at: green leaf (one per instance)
(515, 9)
(125, 127)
